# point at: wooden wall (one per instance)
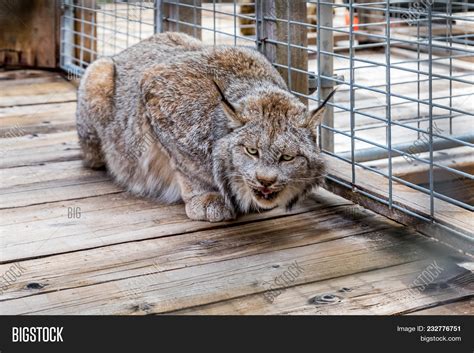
(29, 35)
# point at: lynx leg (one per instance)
(204, 205)
(94, 109)
(91, 148)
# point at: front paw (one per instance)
(209, 207)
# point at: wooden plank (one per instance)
(250, 236)
(459, 158)
(35, 119)
(37, 93)
(12, 75)
(57, 190)
(388, 291)
(445, 182)
(38, 184)
(37, 149)
(32, 80)
(159, 292)
(462, 307)
(458, 188)
(28, 33)
(26, 76)
(140, 219)
(454, 217)
(31, 176)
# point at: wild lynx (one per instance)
(174, 119)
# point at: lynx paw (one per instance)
(209, 207)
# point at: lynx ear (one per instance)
(229, 109)
(314, 117)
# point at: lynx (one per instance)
(216, 127)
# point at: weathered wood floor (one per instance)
(79, 245)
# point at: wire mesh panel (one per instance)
(90, 29)
(403, 115)
(399, 130)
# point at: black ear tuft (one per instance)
(323, 104)
(224, 99)
(228, 108)
(314, 117)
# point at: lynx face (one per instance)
(273, 167)
(271, 158)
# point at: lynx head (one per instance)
(271, 157)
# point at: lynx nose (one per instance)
(266, 181)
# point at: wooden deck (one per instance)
(83, 246)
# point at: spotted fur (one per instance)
(172, 118)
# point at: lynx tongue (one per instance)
(267, 193)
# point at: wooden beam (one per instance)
(28, 33)
(462, 307)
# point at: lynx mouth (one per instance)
(265, 194)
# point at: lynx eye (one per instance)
(251, 151)
(287, 157)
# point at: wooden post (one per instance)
(327, 70)
(172, 11)
(28, 33)
(282, 31)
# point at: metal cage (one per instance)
(399, 132)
